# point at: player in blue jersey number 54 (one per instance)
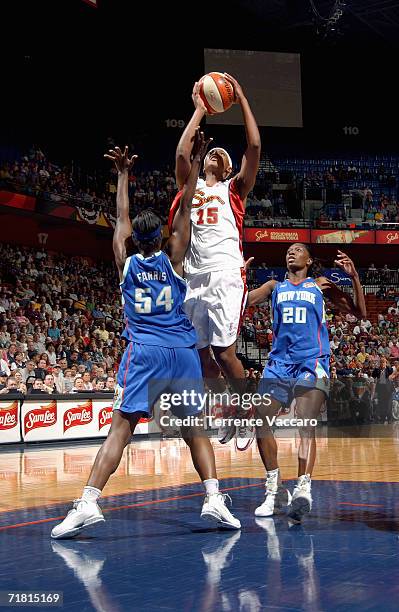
(161, 346)
(298, 364)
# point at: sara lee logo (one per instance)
(9, 416)
(45, 416)
(104, 417)
(392, 237)
(80, 415)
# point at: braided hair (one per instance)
(316, 267)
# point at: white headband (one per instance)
(224, 151)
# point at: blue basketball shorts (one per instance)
(147, 372)
(283, 380)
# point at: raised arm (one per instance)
(343, 301)
(123, 227)
(185, 146)
(177, 244)
(246, 177)
(261, 294)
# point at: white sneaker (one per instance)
(214, 509)
(226, 433)
(275, 501)
(83, 514)
(245, 434)
(301, 502)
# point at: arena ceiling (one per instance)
(377, 17)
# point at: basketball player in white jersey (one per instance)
(214, 265)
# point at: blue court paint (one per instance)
(158, 555)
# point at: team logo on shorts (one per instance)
(118, 397)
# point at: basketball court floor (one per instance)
(154, 553)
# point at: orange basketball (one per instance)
(216, 92)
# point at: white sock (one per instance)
(91, 494)
(274, 474)
(211, 486)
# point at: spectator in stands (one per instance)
(69, 381)
(99, 386)
(3, 380)
(365, 324)
(41, 370)
(11, 387)
(78, 386)
(58, 379)
(87, 385)
(73, 358)
(49, 384)
(19, 362)
(383, 390)
(37, 387)
(54, 331)
(51, 354)
(110, 384)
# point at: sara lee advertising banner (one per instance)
(46, 418)
(10, 430)
(64, 419)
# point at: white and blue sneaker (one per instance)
(214, 509)
(301, 502)
(83, 514)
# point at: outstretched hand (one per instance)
(121, 160)
(198, 101)
(345, 262)
(247, 263)
(200, 145)
(238, 92)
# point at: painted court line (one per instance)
(136, 505)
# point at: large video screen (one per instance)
(271, 81)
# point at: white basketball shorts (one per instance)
(215, 303)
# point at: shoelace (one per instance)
(226, 496)
(242, 430)
(303, 483)
(271, 487)
(76, 503)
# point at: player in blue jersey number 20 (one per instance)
(298, 365)
(161, 346)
